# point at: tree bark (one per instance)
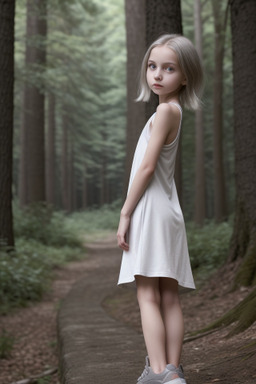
(7, 9)
(32, 166)
(200, 199)
(164, 17)
(243, 244)
(220, 208)
(50, 165)
(136, 45)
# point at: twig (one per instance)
(33, 379)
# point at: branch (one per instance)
(33, 380)
(199, 335)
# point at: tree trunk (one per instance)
(135, 37)
(85, 187)
(32, 171)
(6, 120)
(243, 244)
(200, 200)
(164, 17)
(64, 164)
(71, 175)
(50, 165)
(220, 209)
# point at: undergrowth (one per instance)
(43, 240)
(208, 245)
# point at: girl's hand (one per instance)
(122, 232)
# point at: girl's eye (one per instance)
(169, 69)
(151, 66)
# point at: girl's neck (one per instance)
(169, 100)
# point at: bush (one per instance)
(43, 240)
(94, 221)
(40, 223)
(208, 246)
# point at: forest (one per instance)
(69, 125)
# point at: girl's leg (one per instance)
(172, 318)
(152, 323)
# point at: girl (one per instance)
(151, 230)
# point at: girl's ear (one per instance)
(184, 82)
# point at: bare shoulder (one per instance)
(167, 111)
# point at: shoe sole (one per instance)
(175, 381)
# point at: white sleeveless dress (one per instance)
(157, 237)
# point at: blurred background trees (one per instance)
(70, 102)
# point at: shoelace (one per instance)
(144, 373)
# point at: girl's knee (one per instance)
(169, 292)
(147, 290)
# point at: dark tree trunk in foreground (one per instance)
(145, 22)
(6, 119)
(32, 165)
(164, 17)
(220, 209)
(200, 199)
(243, 245)
(135, 35)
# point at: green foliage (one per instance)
(6, 344)
(95, 222)
(40, 223)
(44, 240)
(208, 246)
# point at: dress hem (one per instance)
(183, 286)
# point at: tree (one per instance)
(6, 119)
(51, 152)
(220, 22)
(161, 18)
(136, 44)
(32, 164)
(243, 244)
(200, 198)
(145, 21)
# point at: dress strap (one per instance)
(177, 105)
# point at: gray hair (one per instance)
(190, 65)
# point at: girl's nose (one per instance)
(158, 75)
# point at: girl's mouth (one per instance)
(157, 85)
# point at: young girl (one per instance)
(151, 230)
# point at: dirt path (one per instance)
(212, 359)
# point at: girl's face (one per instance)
(164, 75)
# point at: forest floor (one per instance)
(212, 358)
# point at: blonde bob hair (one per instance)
(190, 65)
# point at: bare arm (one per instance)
(165, 125)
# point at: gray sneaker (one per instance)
(150, 377)
(179, 371)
